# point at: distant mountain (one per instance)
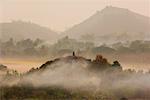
(22, 30)
(112, 22)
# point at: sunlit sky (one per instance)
(59, 15)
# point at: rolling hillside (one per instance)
(112, 23)
(22, 30)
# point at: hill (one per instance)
(22, 30)
(112, 23)
(98, 64)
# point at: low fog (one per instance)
(76, 75)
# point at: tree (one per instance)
(99, 58)
(38, 42)
(25, 43)
(116, 64)
(88, 37)
(9, 44)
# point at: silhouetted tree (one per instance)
(116, 64)
(99, 58)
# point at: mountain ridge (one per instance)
(111, 20)
(22, 30)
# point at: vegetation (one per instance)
(126, 92)
(115, 83)
(40, 48)
(47, 93)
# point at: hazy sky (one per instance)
(62, 14)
